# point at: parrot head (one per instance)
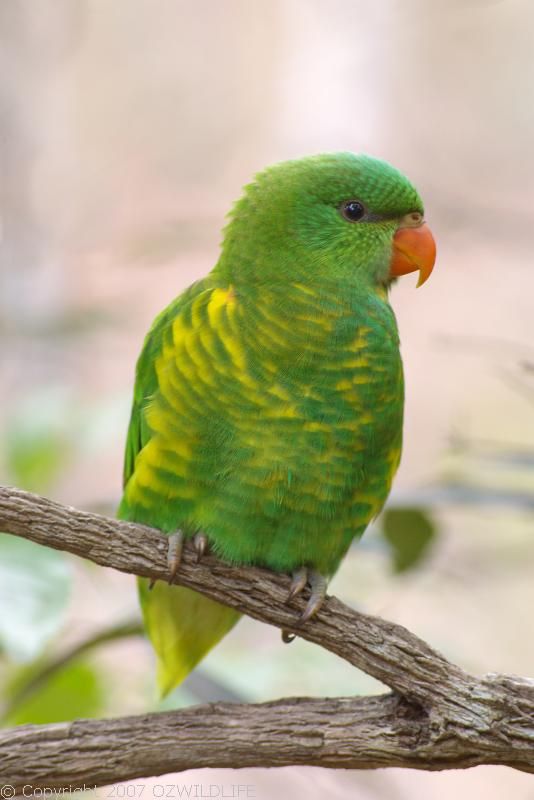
(343, 217)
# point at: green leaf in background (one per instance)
(36, 460)
(409, 533)
(73, 692)
(37, 441)
(34, 591)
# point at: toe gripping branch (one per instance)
(175, 548)
(299, 580)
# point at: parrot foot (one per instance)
(299, 579)
(200, 543)
(174, 554)
(318, 583)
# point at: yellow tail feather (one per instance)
(183, 626)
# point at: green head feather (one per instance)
(289, 223)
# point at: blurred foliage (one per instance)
(54, 688)
(35, 581)
(38, 442)
(35, 458)
(72, 692)
(409, 533)
(35, 584)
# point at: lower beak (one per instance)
(414, 249)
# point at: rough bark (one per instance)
(438, 717)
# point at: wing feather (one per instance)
(146, 380)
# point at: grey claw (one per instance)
(174, 553)
(299, 579)
(287, 636)
(200, 543)
(318, 585)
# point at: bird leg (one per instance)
(200, 543)
(318, 583)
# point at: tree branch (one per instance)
(439, 717)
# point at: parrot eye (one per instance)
(352, 210)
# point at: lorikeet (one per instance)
(268, 403)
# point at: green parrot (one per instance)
(268, 402)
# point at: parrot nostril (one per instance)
(412, 220)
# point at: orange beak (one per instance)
(414, 249)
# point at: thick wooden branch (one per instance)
(348, 733)
(438, 717)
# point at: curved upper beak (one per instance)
(414, 249)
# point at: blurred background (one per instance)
(126, 131)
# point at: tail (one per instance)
(183, 626)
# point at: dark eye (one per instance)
(352, 210)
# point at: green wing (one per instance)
(146, 382)
(182, 624)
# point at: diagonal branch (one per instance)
(439, 716)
